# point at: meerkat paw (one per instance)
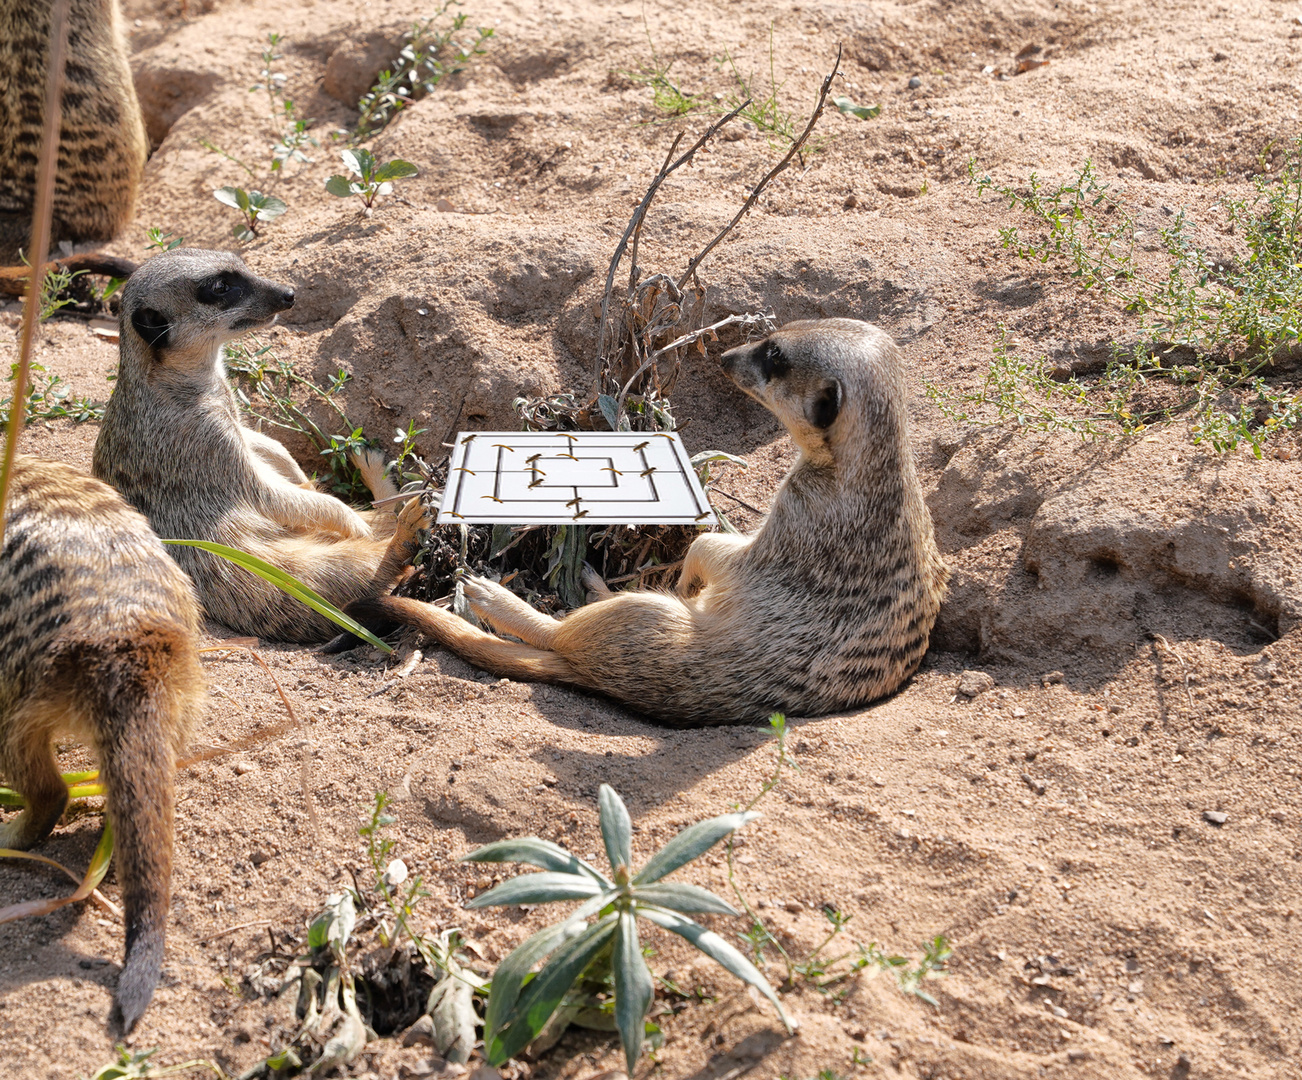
(374, 467)
(413, 517)
(507, 613)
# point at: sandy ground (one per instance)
(1136, 604)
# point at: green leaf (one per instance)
(286, 583)
(545, 991)
(691, 843)
(361, 162)
(232, 196)
(339, 185)
(634, 989)
(334, 925)
(616, 829)
(543, 888)
(863, 112)
(678, 896)
(267, 206)
(717, 455)
(536, 852)
(511, 972)
(716, 949)
(394, 170)
(609, 409)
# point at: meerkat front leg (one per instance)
(708, 558)
(402, 547)
(508, 614)
(304, 511)
(373, 466)
(273, 453)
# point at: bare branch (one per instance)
(755, 194)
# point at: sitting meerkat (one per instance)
(102, 143)
(827, 607)
(174, 444)
(97, 640)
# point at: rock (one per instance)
(972, 683)
(1053, 678)
(353, 67)
(851, 201)
(794, 906)
(1215, 817)
(421, 1033)
(259, 857)
(914, 83)
(242, 767)
(167, 92)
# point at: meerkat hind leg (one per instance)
(30, 768)
(597, 588)
(373, 466)
(708, 557)
(508, 614)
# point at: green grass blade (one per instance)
(286, 583)
(716, 949)
(634, 989)
(542, 888)
(691, 843)
(616, 829)
(510, 974)
(544, 993)
(678, 896)
(541, 853)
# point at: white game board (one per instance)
(556, 478)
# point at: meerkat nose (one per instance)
(287, 298)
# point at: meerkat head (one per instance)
(183, 305)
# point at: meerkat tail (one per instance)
(14, 279)
(134, 702)
(506, 659)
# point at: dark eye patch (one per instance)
(773, 363)
(222, 291)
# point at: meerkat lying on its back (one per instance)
(174, 444)
(97, 629)
(102, 144)
(828, 606)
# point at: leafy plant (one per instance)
(162, 241)
(373, 179)
(135, 1065)
(253, 205)
(48, 397)
(765, 111)
(520, 1005)
(429, 56)
(668, 96)
(1238, 318)
(270, 81)
(294, 138)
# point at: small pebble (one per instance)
(915, 82)
(851, 201)
(259, 857)
(1018, 714)
(972, 683)
(794, 906)
(420, 1033)
(242, 767)
(1215, 817)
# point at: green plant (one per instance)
(668, 96)
(48, 397)
(1212, 329)
(519, 1005)
(863, 112)
(373, 179)
(765, 111)
(270, 81)
(162, 241)
(135, 1065)
(253, 205)
(292, 141)
(54, 289)
(213, 148)
(428, 57)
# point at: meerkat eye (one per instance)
(773, 363)
(222, 291)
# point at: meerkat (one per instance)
(174, 444)
(97, 640)
(102, 144)
(827, 607)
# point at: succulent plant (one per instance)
(519, 1005)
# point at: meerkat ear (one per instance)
(825, 405)
(152, 326)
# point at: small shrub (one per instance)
(254, 206)
(373, 179)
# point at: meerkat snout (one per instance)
(788, 375)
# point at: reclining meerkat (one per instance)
(97, 639)
(827, 607)
(102, 144)
(174, 444)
